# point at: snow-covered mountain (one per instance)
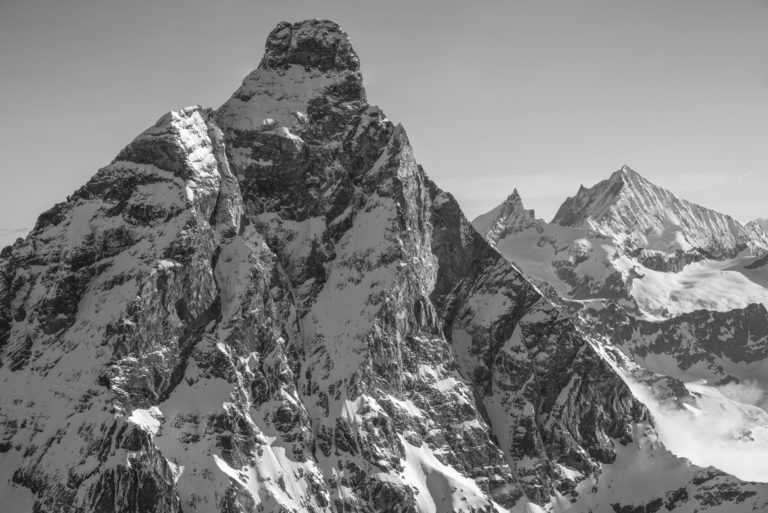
(758, 225)
(692, 329)
(603, 256)
(638, 214)
(508, 218)
(271, 307)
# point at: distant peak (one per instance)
(509, 217)
(762, 223)
(514, 204)
(320, 44)
(595, 202)
(626, 172)
(639, 214)
(514, 198)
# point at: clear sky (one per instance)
(541, 95)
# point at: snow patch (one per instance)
(149, 420)
(441, 489)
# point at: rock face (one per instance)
(687, 327)
(757, 228)
(564, 262)
(270, 307)
(720, 347)
(639, 214)
(508, 218)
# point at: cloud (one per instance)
(746, 392)
(714, 428)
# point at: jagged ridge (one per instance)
(509, 217)
(713, 329)
(639, 214)
(324, 333)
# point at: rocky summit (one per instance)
(271, 307)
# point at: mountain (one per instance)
(597, 251)
(757, 227)
(271, 307)
(638, 214)
(571, 263)
(691, 328)
(509, 217)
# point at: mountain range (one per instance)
(271, 307)
(679, 289)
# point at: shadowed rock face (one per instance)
(722, 346)
(271, 307)
(318, 44)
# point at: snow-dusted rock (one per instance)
(687, 331)
(508, 218)
(271, 307)
(638, 214)
(565, 262)
(584, 264)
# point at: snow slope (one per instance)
(716, 285)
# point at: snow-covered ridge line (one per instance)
(638, 214)
(325, 333)
(509, 217)
(693, 327)
(579, 263)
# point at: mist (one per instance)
(712, 427)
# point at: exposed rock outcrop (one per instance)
(271, 307)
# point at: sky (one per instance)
(542, 96)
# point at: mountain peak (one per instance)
(626, 172)
(639, 214)
(308, 67)
(510, 216)
(623, 175)
(514, 198)
(320, 44)
(271, 307)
